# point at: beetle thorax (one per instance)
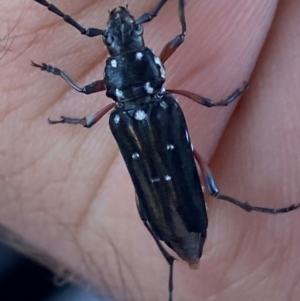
(136, 75)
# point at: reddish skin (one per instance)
(67, 186)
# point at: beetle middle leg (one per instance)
(169, 258)
(207, 102)
(214, 191)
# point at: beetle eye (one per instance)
(138, 30)
(108, 39)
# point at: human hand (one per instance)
(66, 191)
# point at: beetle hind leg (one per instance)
(214, 191)
(169, 258)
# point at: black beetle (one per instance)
(151, 132)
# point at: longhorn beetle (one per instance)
(151, 132)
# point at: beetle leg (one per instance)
(214, 191)
(89, 32)
(85, 121)
(169, 258)
(170, 47)
(94, 87)
(147, 17)
(207, 101)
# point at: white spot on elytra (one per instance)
(187, 136)
(119, 94)
(138, 56)
(163, 104)
(170, 146)
(113, 63)
(117, 119)
(140, 115)
(148, 88)
(155, 179)
(168, 177)
(192, 147)
(135, 155)
(162, 69)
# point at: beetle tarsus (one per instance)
(68, 120)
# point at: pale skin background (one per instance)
(65, 189)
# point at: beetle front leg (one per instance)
(207, 102)
(147, 17)
(169, 258)
(94, 87)
(85, 121)
(170, 47)
(214, 191)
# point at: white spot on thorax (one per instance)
(140, 115)
(168, 177)
(148, 88)
(170, 146)
(163, 104)
(113, 63)
(162, 69)
(139, 56)
(135, 155)
(155, 179)
(119, 94)
(117, 119)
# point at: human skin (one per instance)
(65, 189)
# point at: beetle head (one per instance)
(122, 33)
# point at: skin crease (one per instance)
(65, 189)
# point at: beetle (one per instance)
(151, 132)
